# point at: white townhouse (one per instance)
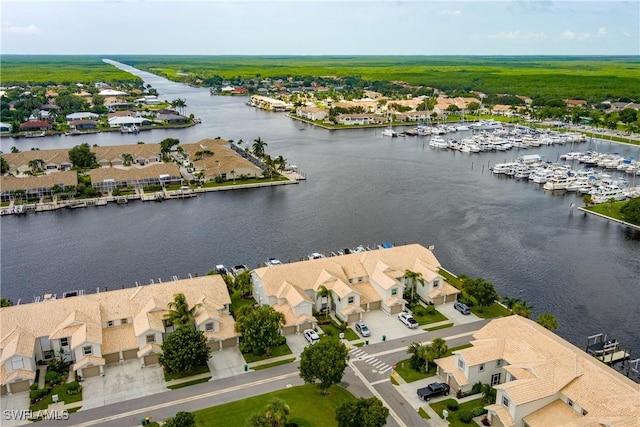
(353, 284)
(98, 329)
(541, 379)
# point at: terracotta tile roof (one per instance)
(133, 173)
(223, 160)
(227, 329)
(117, 338)
(366, 291)
(503, 414)
(149, 349)
(446, 289)
(21, 374)
(448, 365)
(41, 181)
(482, 351)
(351, 308)
(18, 342)
(555, 413)
(88, 361)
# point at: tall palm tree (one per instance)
(281, 162)
(36, 165)
(509, 302)
(439, 347)
(258, 147)
(127, 159)
(179, 312)
(232, 172)
(522, 309)
(323, 292)
(413, 278)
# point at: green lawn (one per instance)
(607, 209)
(453, 419)
(409, 375)
(451, 279)
(423, 414)
(271, 365)
(196, 371)
(246, 181)
(308, 407)
(237, 302)
(188, 383)
(435, 328)
(281, 350)
(331, 331)
(494, 310)
(429, 318)
(61, 391)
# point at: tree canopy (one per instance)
(323, 363)
(631, 211)
(181, 419)
(362, 413)
(4, 165)
(260, 329)
(183, 350)
(81, 156)
(179, 312)
(480, 290)
(5, 302)
(167, 144)
(548, 320)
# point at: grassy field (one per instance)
(308, 407)
(611, 210)
(280, 350)
(453, 419)
(59, 69)
(592, 78)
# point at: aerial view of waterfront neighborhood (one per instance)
(278, 234)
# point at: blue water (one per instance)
(362, 188)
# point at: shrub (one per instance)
(34, 386)
(477, 411)
(465, 416)
(53, 378)
(416, 363)
(74, 388)
(430, 310)
(477, 388)
(452, 405)
(420, 311)
(39, 394)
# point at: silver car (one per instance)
(362, 329)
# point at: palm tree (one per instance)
(281, 162)
(415, 348)
(323, 292)
(36, 165)
(276, 413)
(127, 159)
(509, 302)
(233, 173)
(548, 320)
(413, 278)
(258, 147)
(270, 164)
(179, 312)
(439, 347)
(522, 309)
(488, 394)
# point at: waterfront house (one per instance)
(20, 163)
(312, 113)
(106, 179)
(360, 119)
(35, 187)
(541, 379)
(116, 122)
(170, 119)
(83, 124)
(5, 127)
(571, 103)
(105, 328)
(269, 104)
(348, 285)
(83, 115)
(214, 157)
(413, 116)
(36, 125)
(502, 110)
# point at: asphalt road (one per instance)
(359, 382)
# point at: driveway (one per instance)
(226, 363)
(455, 316)
(13, 402)
(122, 381)
(381, 323)
(297, 343)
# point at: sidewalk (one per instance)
(434, 419)
(271, 360)
(188, 379)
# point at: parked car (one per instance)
(362, 329)
(432, 390)
(311, 336)
(462, 308)
(408, 320)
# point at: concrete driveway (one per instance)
(381, 323)
(122, 381)
(297, 343)
(13, 402)
(455, 316)
(226, 363)
(408, 391)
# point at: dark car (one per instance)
(462, 308)
(432, 390)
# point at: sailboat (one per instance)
(389, 131)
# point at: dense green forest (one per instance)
(594, 78)
(45, 70)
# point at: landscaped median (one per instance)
(408, 374)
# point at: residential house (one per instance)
(312, 113)
(171, 119)
(413, 116)
(21, 162)
(618, 106)
(269, 104)
(5, 127)
(116, 122)
(141, 154)
(348, 285)
(106, 179)
(105, 328)
(541, 379)
(502, 110)
(215, 157)
(571, 103)
(36, 125)
(360, 119)
(35, 186)
(83, 124)
(83, 115)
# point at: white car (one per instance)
(311, 336)
(408, 320)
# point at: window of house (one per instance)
(570, 403)
(394, 291)
(495, 379)
(47, 354)
(124, 321)
(436, 283)
(87, 350)
(498, 363)
(460, 363)
(584, 412)
(208, 326)
(17, 363)
(360, 279)
(481, 367)
(110, 324)
(151, 338)
(64, 342)
(352, 300)
(505, 402)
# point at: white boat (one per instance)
(557, 182)
(389, 132)
(486, 125)
(462, 127)
(315, 255)
(541, 176)
(438, 142)
(605, 193)
(502, 168)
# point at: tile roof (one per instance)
(41, 181)
(223, 160)
(503, 414)
(117, 338)
(133, 173)
(448, 365)
(88, 360)
(555, 413)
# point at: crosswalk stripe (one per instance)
(385, 370)
(380, 363)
